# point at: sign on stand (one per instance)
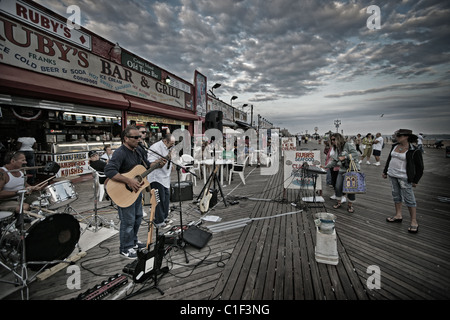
(293, 175)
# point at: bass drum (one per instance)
(53, 238)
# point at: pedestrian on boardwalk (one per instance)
(341, 157)
(404, 167)
(377, 146)
(358, 143)
(420, 142)
(367, 143)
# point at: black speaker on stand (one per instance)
(213, 120)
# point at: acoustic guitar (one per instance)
(122, 194)
(207, 195)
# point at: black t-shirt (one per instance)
(99, 166)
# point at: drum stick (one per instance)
(42, 183)
(33, 214)
(45, 210)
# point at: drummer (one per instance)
(12, 180)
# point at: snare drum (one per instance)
(6, 217)
(60, 194)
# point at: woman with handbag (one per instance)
(404, 167)
(342, 158)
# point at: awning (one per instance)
(151, 107)
(228, 123)
(20, 82)
(244, 125)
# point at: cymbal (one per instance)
(66, 178)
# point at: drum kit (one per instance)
(42, 239)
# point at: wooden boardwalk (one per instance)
(270, 255)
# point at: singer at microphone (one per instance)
(160, 178)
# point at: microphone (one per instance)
(142, 145)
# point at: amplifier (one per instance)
(185, 194)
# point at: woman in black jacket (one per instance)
(404, 167)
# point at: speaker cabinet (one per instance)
(213, 120)
(186, 192)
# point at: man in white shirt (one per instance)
(160, 178)
(377, 146)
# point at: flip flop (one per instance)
(394, 219)
(337, 205)
(350, 209)
(413, 229)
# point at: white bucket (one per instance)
(325, 222)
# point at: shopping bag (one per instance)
(354, 180)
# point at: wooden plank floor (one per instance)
(272, 256)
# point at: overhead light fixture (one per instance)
(217, 85)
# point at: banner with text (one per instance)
(21, 47)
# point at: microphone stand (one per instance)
(178, 168)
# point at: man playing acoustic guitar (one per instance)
(127, 182)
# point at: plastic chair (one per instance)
(101, 187)
(239, 169)
(188, 162)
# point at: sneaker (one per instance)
(377, 164)
(139, 245)
(367, 162)
(130, 254)
(168, 221)
(333, 197)
(359, 161)
(160, 225)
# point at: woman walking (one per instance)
(367, 142)
(404, 167)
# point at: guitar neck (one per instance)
(146, 172)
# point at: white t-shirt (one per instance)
(161, 175)
(397, 166)
(27, 143)
(379, 145)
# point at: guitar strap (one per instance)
(142, 159)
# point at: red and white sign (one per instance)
(39, 19)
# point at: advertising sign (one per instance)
(35, 51)
(294, 176)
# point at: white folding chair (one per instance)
(239, 169)
(187, 161)
(101, 187)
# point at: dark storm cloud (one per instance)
(277, 51)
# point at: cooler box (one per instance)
(186, 192)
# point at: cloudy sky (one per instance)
(301, 63)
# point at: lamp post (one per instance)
(337, 123)
(217, 85)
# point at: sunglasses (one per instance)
(134, 137)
